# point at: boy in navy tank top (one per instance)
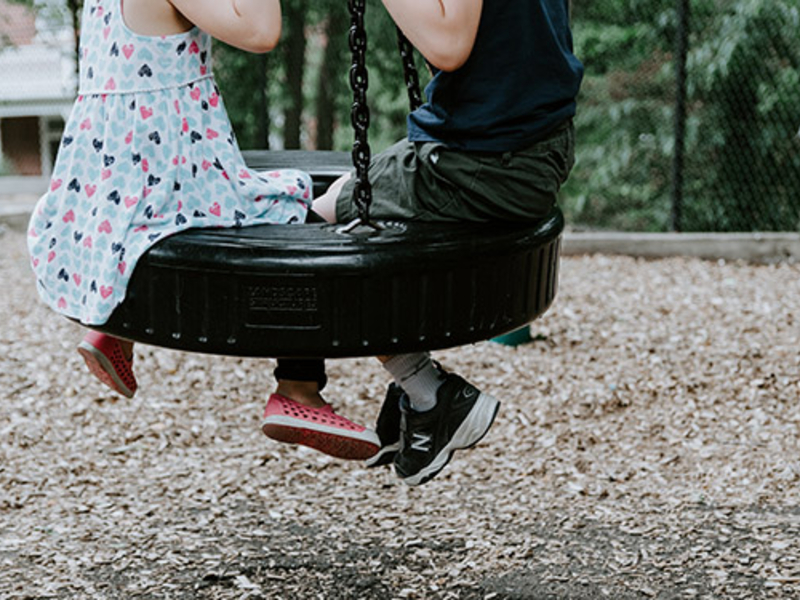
(493, 143)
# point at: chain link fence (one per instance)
(689, 116)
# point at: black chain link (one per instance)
(359, 113)
(409, 70)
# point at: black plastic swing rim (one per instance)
(311, 291)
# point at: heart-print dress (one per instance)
(147, 151)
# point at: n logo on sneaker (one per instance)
(421, 442)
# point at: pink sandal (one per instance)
(320, 428)
(106, 360)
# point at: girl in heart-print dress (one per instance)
(148, 151)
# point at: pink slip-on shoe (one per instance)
(320, 428)
(105, 359)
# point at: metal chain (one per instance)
(359, 113)
(409, 70)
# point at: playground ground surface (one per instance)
(646, 447)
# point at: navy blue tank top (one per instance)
(519, 83)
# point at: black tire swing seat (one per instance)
(322, 290)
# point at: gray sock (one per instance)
(418, 377)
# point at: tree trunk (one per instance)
(263, 121)
(294, 44)
(331, 73)
(75, 7)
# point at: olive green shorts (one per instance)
(427, 181)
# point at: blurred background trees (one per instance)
(742, 152)
(307, 82)
(742, 166)
(741, 170)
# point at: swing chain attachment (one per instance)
(359, 113)
(355, 223)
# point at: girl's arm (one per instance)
(252, 25)
(442, 30)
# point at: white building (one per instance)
(37, 88)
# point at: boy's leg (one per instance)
(388, 428)
(407, 186)
(417, 376)
(430, 182)
(393, 176)
(459, 418)
(520, 186)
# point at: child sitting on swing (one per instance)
(147, 152)
(493, 143)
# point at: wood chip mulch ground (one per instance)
(646, 447)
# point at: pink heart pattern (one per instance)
(148, 152)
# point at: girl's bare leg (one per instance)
(325, 205)
(127, 348)
(302, 392)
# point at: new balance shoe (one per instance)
(388, 428)
(106, 360)
(462, 416)
(320, 428)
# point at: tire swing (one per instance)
(324, 290)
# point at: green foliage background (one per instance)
(742, 144)
(387, 97)
(742, 166)
(743, 153)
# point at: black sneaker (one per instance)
(388, 428)
(460, 419)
